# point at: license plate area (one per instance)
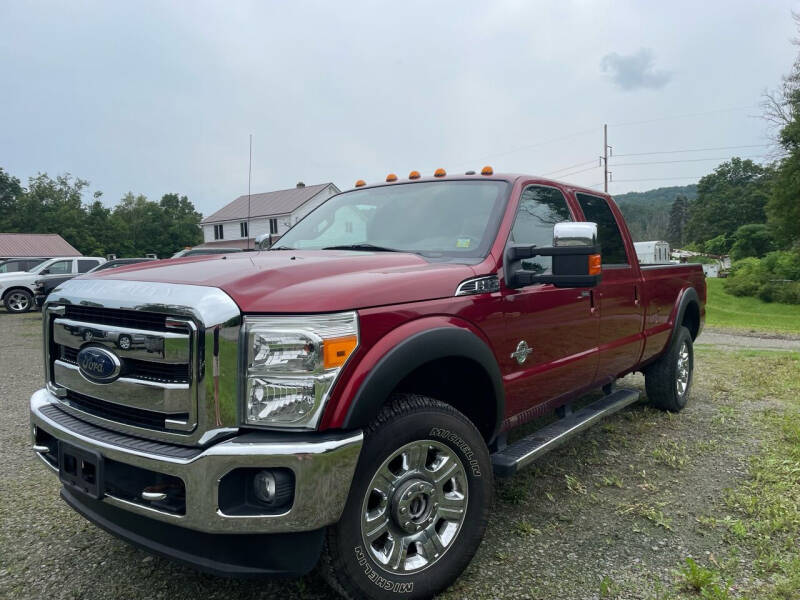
(81, 470)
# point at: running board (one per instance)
(523, 452)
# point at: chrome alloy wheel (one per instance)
(414, 506)
(18, 302)
(682, 378)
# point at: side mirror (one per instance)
(263, 241)
(576, 258)
(44, 272)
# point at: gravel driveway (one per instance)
(615, 510)
(750, 341)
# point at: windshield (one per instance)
(448, 219)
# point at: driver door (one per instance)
(559, 326)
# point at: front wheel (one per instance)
(669, 379)
(418, 505)
(18, 301)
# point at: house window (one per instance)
(243, 229)
(273, 225)
(218, 232)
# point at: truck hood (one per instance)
(293, 281)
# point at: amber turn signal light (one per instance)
(414, 175)
(487, 170)
(335, 351)
(439, 172)
(361, 183)
(594, 264)
(391, 177)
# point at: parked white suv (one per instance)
(16, 289)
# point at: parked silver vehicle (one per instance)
(17, 289)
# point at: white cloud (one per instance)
(634, 71)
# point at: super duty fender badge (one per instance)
(462, 445)
(379, 580)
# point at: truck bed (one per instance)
(662, 284)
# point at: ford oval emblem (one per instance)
(98, 364)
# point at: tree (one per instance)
(735, 193)
(136, 226)
(143, 226)
(781, 110)
(183, 222)
(10, 191)
(678, 217)
(751, 240)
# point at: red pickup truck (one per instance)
(344, 398)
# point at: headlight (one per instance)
(291, 365)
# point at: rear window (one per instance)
(596, 210)
(85, 265)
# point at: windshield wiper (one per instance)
(363, 246)
(280, 248)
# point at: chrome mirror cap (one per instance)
(262, 241)
(574, 233)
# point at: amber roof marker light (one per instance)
(487, 170)
(440, 172)
(361, 183)
(391, 177)
(414, 175)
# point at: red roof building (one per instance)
(35, 244)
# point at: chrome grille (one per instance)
(156, 373)
(140, 369)
(160, 333)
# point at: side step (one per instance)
(526, 450)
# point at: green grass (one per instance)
(761, 514)
(725, 310)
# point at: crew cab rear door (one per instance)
(619, 293)
(549, 351)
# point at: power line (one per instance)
(685, 116)
(660, 178)
(588, 162)
(569, 136)
(685, 160)
(581, 171)
(694, 150)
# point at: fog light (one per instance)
(273, 487)
(264, 486)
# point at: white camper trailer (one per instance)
(652, 253)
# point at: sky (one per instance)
(155, 98)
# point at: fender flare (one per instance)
(414, 352)
(688, 296)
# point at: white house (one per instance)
(270, 212)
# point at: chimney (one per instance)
(300, 184)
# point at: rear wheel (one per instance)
(18, 301)
(668, 380)
(418, 504)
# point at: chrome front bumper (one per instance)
(323, 470)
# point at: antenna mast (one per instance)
(249, 177)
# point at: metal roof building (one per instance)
(34, 244)
(269, 212)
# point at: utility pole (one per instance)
(604, 158)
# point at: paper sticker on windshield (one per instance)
(462, 243)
